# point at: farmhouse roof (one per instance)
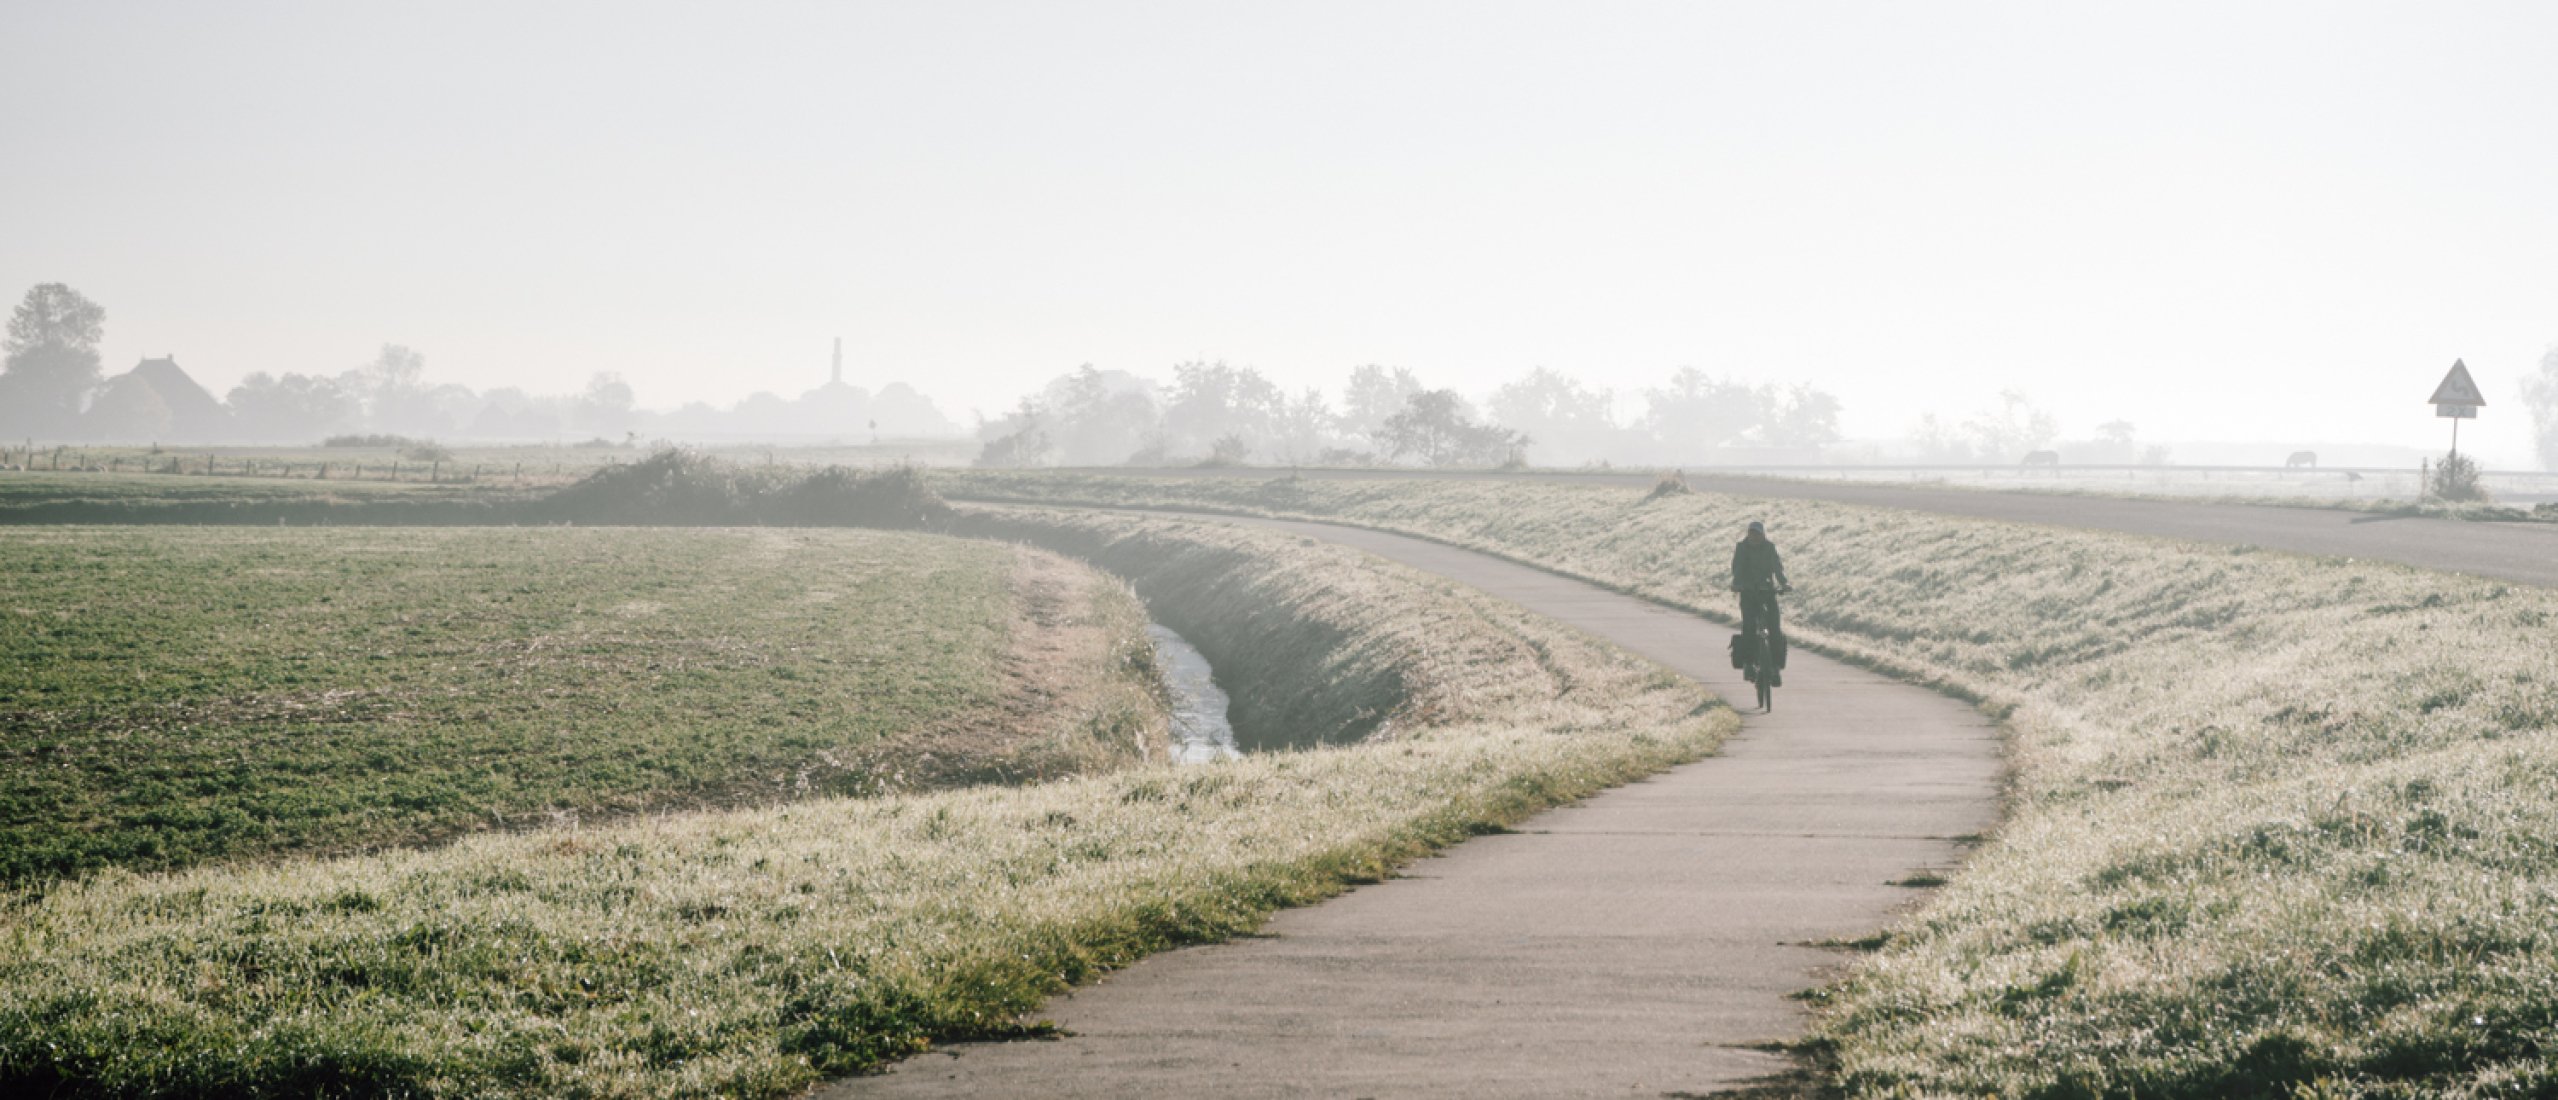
(192, 408)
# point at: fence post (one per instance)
(435, 473)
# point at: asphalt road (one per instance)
(1639, 943)
(2524, 552)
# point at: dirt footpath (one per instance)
(1641, 943)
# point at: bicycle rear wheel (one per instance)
(1767, 695)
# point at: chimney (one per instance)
(839, 361)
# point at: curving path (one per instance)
(1640, 943)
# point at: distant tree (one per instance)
(1374, 394)
(52, 362)
(903, 412)
(1436, 427)
(1019, 439)
(1214, 400)
(398, 369)
(2540, 395)
(294, 408)
(1698, 410)
(1097, 417)
(2116, 433)
(393, 391)
(1570, 421)
(1305, 427)
(1937, 441)
(1229, 450)
(1801, 416)
(2010, 429)
(606, 405)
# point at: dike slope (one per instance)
(1643, 941)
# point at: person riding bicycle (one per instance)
(1758, 574)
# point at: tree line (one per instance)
(52, 385)
(1218, 413)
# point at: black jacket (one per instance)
(1756, 567)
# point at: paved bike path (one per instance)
(1639, 943)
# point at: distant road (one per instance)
(2523, 552)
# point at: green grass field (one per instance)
(170, 696)
(21, 490)
(750, 952)
(2278, 826)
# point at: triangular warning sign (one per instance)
(2457, 388)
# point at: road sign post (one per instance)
(2457, 399)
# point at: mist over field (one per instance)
(658, 549)
(1649, 233)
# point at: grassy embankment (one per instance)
(381, 462)
(2279, 825)
(749, 952)
(172, 696)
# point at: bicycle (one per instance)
(1760, 655)
(1763, 665)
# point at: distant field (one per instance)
(528, 464)
(170, 696)
(19, 490)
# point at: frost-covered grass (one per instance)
(749, 952)
(170, 696)
(2279, 825)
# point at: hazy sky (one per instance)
(2218, 220)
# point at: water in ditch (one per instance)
(1200, 730)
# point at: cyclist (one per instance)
(1758, 574)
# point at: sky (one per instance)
(2275, 221)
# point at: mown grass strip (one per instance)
(2279, 825)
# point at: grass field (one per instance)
(2279, 826)
(170, 696)
(748, 952)
(20, 490)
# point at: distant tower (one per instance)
(839, 362)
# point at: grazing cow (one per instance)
(2042, 458)
(2300, 459)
